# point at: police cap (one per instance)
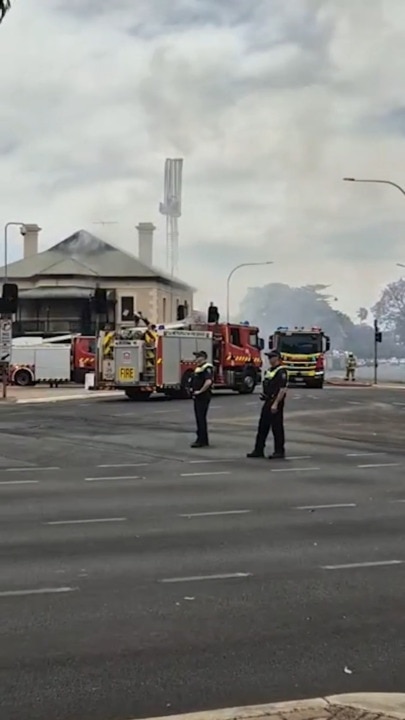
(200, 354)
(273, 354)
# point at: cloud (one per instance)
(270, 103)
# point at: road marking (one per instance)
(82, 522)
(399, 404)
(364, 454)
(217, 512)
(325, 507)
(379, 465)
(299, 457)
(353, 566)
(205, 462)
(123, 465)
(19, 482)
(113, 477)
(31, 469)
(353, 402)
(197, 578)
(301, 469)
(38, 591)
(397, 501)
(199, 474)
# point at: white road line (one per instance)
(364, 454)
(397, 501)
(217, 512)
(88, 521)
(38, 591)
(200, 474)
(255, 402)
(379, 465)
(325, 507)
(197, 578)
(353, 402)
(113, 477)
(19, 482)
(206, 462)
(299, 457)
(123, 465)
(294, 469)
(353, 566)
(30, 469)
(399, 404)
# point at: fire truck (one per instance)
(57, 360)
(161, 359)
(303, 353)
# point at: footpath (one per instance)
(359, 706)
(40, 394)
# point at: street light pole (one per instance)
(381, 182)
(242, 265)
(6, 227)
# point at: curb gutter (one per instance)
(376, 705)
(63, 398)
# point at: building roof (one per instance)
(87, 255)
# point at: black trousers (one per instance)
(275, 422)
(201, 405)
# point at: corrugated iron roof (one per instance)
(87, 255)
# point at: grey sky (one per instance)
(269, 108)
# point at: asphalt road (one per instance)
(140, 577)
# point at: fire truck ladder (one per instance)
(149, 373)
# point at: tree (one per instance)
(362, 314)
(390, 308)
(279, 304)
(4, 7)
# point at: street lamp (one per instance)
(6, 227)
(381, 182)
(242, 265)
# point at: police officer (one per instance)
(201, 385)
(272, 415)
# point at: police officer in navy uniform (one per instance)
(275, 383)
(201, 386)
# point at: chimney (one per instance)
(30, 232)
(145, 242)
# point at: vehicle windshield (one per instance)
(299, 344)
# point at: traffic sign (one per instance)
(6, 339)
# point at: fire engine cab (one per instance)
(161, 358)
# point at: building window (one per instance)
(127, 308)
(164, 310)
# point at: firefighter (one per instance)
(272, 415)
(351, 365)
(201, 386)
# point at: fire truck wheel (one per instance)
(22, 378)
(248, 383)
(135, 394)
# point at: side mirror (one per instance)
(261, 343)
(327, 345)
(270, 342)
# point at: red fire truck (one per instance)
(162, 360)
(57, 360)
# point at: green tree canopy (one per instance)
(4, 6)
(390, 308)
(279, 304)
